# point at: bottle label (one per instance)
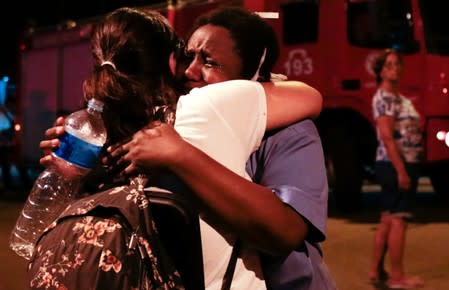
(77, 151)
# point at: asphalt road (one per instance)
(347, 249)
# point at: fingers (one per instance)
(154, 124)
(117, 150)
(59, 122)
(116, 156)
(112, 155)
(131, 168)
(49, 145)
(54, 132)
(126, 154)
(46, 161)
(120, 149)
(151, 132)
(52, 140)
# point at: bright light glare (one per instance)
(441, 135)
(447, 140)
(17, 127)
(268, 15)
(444, 90)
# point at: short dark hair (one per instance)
(251, 33)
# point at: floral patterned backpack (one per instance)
(107, 240)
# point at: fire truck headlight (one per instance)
(441, 135)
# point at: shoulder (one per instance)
(232, 86)
(382, 95)
(405, 100)
(291, 141)
(304, 128)
(236, 93)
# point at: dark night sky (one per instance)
(21, 14)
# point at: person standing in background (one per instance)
(398, 158)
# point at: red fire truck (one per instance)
(328, 44)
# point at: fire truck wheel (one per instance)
(438, 174)
(343, 168)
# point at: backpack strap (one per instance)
(229, 274)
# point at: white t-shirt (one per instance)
(226, 121)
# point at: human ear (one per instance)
(172, 63)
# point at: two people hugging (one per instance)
(246, 149)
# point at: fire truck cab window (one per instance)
(381, 24)
(436, 26)
(300, 21)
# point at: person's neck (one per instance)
(392, 87)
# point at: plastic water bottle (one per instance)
(55, 187)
